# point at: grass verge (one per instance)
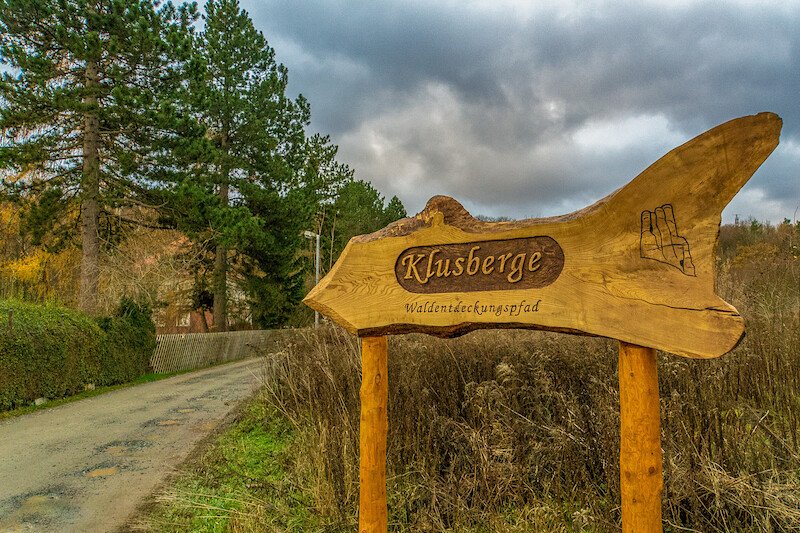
(253, 477)
(146, 378)
(241, 482)
(97, 391)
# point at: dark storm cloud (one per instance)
(398, 46)
(520, 111)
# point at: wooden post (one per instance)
(641, 477)
(373, 513)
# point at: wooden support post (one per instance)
(641, 477)
(373, 512)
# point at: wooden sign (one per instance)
(638, 266)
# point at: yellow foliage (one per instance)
(7, 215)
(9, 231)
(29, 268)
(30, 271)
(43, 274)
(757, 252)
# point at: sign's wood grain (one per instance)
(637, 266)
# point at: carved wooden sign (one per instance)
(638, 266)
(525, 263)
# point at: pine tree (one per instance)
(357, 209)
(273, 268)
(395, 210)
(78, 108)
(256, 145)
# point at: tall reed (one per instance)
(506, 423)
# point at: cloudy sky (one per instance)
(523, 109)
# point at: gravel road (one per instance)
(85, 466)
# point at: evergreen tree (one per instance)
(255, 153)
(78, 109)
(321, 173)
(358, 209)
(395, 210)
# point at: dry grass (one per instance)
(518, 431)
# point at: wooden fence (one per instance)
(187, 351)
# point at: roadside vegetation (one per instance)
(240, 483)
(49, 351)
(89, 393)
(146, 155)
(518, 430)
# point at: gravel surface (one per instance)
(85, 466)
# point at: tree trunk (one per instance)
(203, 320)
(221, 281)
(221, 258)
(90, 192)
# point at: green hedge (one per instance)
(51, 351)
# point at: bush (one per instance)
(130, 342)
(51, 351)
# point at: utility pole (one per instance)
(312, 235)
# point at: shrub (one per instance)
(130, 341)
(51, 351)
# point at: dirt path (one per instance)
(85, 466)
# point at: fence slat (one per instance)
(187, 351)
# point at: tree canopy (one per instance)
(116, 114)
(80, 109)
